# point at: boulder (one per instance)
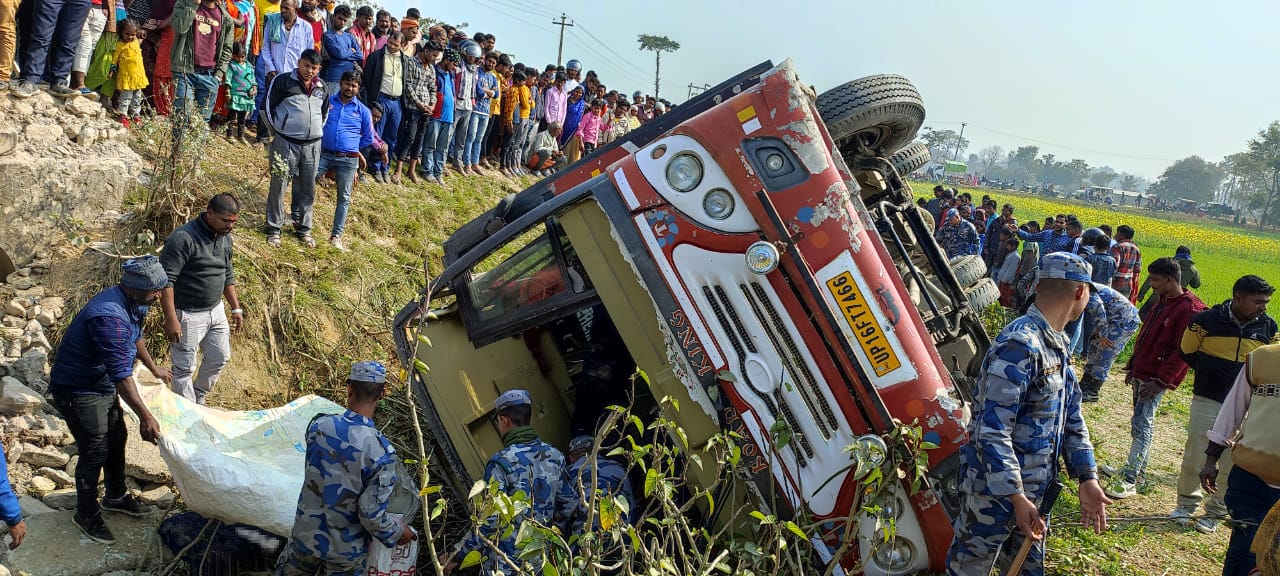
(31, 506)
(32, 369)
(142, 459)
(46, 318)
(40, 485)
(40, 457)
(160, 496)
(23, 282)
(15, 308)
(43, 132)
(16, 398)
(64, 499)
(62, 479)
(82, 107)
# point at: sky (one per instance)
(1133, 85)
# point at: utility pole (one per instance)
(562, 23)
(958, 141)
(694, 89)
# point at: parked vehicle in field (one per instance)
(756, 252)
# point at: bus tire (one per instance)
(883, 112)
(910, 159)
(968, 269)
(982, 295)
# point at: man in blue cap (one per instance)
(1110, 320)
(92, 371)
(588, 468)
(350, 475)
(1026, 417)
(525, 465)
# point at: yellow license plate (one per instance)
(866, 327)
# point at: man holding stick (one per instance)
(1026, 417)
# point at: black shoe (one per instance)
(1089, 396)
(126, 504)
(94, 528)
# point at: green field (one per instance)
(1222, 252)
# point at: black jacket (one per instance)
(1215, 345)
(371, 84)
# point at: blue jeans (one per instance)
(461, 119)
(388, 128)
(1144, 418)
(204, 89)
(436, 146)
(54, 37)
(475, 138)
(344, 171)
(1248, 499)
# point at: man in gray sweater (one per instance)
(197, 259)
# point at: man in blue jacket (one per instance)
(92, 371)
(10, 510)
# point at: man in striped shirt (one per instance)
(1128, 263)
(1051, 240)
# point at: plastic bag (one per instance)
(238, 467)
(399, 561)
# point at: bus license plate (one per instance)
(866, 327)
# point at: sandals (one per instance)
(273, 240)
(307, 240)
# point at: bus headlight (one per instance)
(718, 204)
(762, 257)
(894, 556)
(684, 172)
(868, 452)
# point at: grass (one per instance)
(1222, 252)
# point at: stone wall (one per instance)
(70, 162)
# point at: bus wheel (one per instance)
(910, 159)
(880, 113)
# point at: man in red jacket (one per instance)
(1156, 366)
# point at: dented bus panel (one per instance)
(731, 254)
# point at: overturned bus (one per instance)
(757, 254)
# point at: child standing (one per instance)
(130, 74)
(243, 87)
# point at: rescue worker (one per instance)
(1112, 320)
(92, 373)
(1216, 345)
(525, 465)
(1251, 416)
(350, 475)
(1027, 397)
(608, 476)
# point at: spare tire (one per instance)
(910, 159)
(968, 269)
(982, 295)
(883, 112)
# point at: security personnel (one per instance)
(1026, 415)
(350, 475)
(525, 465)
(610, 480)
(1112, 320)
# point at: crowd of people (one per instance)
(1076, 289)
(328, 88)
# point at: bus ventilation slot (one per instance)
(727, 315)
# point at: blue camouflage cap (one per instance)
(368, 371)
(581, 443)
(517, 397)
(1066, 266)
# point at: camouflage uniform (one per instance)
(1114, 317)
(1027, 413)
(537, 469)
(611, 481)
(350, 475)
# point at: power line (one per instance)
(528, 9)
(615, 53)
(499, 10)
(1057, 145)
(607, 60)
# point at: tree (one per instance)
(1192, 178)
(942, 143)
(989, 158)
(657, 45)
(1022, 164)
(1102, 177)
(1264, 154)
(1130, 182)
